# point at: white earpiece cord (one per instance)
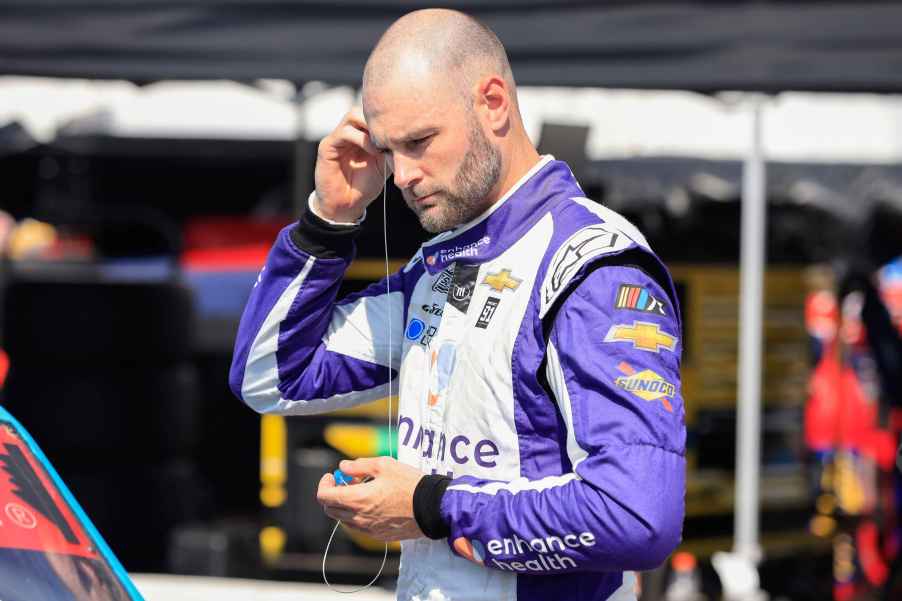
(390, 441)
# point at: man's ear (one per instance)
(493, 100)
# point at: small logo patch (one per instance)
(462, 285)
(638, 298)
(646, 384)
(642, 335)
(472, 550)
(443, 281)
(501, 281)
(488, 311)
(432, 309)
(415, 329)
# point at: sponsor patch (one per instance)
(488, 311)
(642, 335)
(447, 448)
(501, 281)
(442, 282)
(432, 309)
(549, 553)
(462, 285)
(418, 331)
(415, 329)
(638, 298)
(460, 251)
(646, 384)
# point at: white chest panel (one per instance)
(456, 395)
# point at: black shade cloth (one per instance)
(702, 46)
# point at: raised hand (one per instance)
(350, 170)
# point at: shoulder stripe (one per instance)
(516, 486)
(259, 387)
(576, 251)
(614, 220)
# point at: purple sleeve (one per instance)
(618, 391)
(299, 351)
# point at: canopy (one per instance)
(700, 46)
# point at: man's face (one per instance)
(443, 163)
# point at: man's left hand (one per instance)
(381, 507)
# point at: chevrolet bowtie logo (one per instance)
(643, 335)
(501, 281)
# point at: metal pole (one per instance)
(751, 326)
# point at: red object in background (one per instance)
(241, 258)
(823, 406)
(839, 414)
(4, 367)
(33, 514)
(229, 243)
(224, 232)
(857, 415)
(867, 541)
(822, 315)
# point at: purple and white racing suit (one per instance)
(536, 355)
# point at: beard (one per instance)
(466, 199)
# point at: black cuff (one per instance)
(427, 503)
(323, 239)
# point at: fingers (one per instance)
(349, 134)
(330, 496)
(365, 466)
(329, 493)
(353, 130)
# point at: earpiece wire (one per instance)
(389, 368)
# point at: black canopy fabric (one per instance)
(14, 138)
(703, 46)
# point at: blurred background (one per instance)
(150, 152)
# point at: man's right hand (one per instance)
(350, 171)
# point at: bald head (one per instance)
(438, 43)
(439, 101)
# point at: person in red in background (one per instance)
(853, 419)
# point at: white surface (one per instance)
(164, 587)
(805, 127)
(738, 577)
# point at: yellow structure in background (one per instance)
(273, 464)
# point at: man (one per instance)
(534, 341)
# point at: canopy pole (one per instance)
(751, 300)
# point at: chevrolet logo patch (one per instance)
(501, 281)
(643, 335)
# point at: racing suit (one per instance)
(536, 354)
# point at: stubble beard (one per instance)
(477, 175)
